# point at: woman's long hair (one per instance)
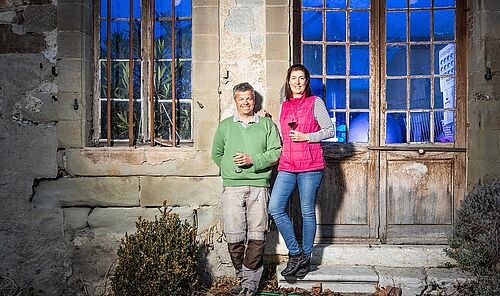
(297, 67)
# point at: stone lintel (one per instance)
(125, 161)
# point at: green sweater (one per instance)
(260, 140)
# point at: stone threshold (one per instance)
(363, 279)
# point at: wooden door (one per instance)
(400, 177)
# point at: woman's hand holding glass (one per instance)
(297, 136)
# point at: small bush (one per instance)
(161, 258)
(481, 286)
(475, 242)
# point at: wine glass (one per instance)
(237, 169)
(292, 123)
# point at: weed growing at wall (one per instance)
(475, 242)
(161, 258)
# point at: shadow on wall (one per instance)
(330, 198)
(258, 102)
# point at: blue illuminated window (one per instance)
(335, 47)
(168, 62)
(417, 67)
(420, 71)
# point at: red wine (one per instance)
(292, 124)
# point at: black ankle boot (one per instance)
(294, 263)
(304, 269)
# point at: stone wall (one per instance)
(65, 206)
(483, 104)
(33, 250)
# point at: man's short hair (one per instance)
(243, 87)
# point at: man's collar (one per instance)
(236, 118)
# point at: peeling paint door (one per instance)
(395, 90)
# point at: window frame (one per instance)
(147, 61)
(377, 90)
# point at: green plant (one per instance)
(161, 258)
(475, 241)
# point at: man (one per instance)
(245, 147)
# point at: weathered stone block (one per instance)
(65, 106)
(277, 20)
(70, 44)
(69, 134)
(119, 161)
(121, 220)
(250, 2)
(481, 171)
(273, 102)
(98, 192)
(179, 191)
(69, 17)
(208, 217)
(207, 20)
(241, 20)
(198, 3)
(276, 74)
(410, 280)
(277, 2)
(205, 48)
(14, 43)
(490, 25)
(28, 149)
(40, 18)
(485, 145)
(70, 75)
(38, 108)
(203, 141)
(34, 252)
(208, 72)
(491, 4)
(76, 218)
(408, 256)
(277, 46)
(7, 17)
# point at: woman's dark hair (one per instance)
(297, 67)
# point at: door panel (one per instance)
(345, 193)
(418, 191)
(417, 195)
(346, 205)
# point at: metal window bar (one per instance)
(108, 73)
(151, 76)
(131, 78)
(172, 119)
(173, 132)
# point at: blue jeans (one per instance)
(308, 184)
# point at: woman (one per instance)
(304, 122)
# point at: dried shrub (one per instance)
(161, 258)
(475, 241)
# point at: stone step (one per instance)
(344, 279)
(382, 255)
(363, 279)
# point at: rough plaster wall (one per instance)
(242, 35)
(483, 95)
(33, 251)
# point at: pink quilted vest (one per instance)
(300, 156)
